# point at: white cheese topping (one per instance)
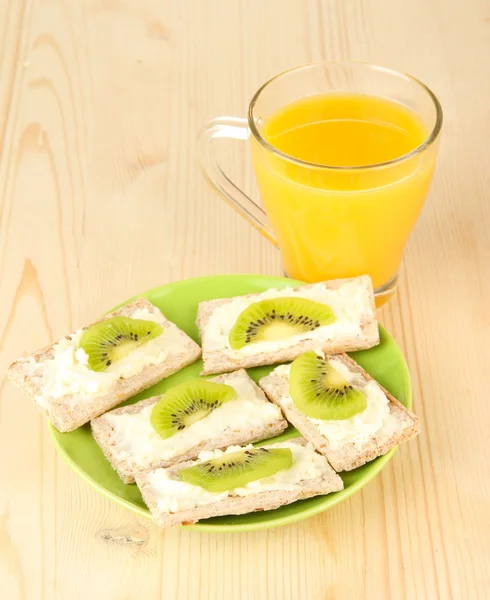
(359, 428)
(351, 304)
(138, 443)
(174, 495)
(67, 373)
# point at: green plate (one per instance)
(178, 301)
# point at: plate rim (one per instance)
(382, 461)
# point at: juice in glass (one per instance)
(343, 154)
(340, 208)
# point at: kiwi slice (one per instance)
(110, 340)
(236, 469)
(187, 403)
(321, 392)
(278, 319)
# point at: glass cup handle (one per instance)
(237, 129)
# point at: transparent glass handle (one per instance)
(237, 129)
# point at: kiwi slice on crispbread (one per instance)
(108, 341)
(186, 403)
(320, 391)
(278, 319)
(236, 469)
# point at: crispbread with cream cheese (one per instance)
(67, 412)
(326, 482)
(403, 424)
(218, 357)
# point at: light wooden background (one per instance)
(101, 198)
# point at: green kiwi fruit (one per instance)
(278, 319)
(236, 469)
(187, 403)
(108, 341)
(321, 392)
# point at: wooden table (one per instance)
(101, 198)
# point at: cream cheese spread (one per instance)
(360, 427)
(174, 495)
(351, 304)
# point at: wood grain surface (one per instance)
(101, 198)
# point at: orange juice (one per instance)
(355, 217)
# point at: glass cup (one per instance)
(331, 221)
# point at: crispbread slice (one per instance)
(223, 359)
(236, 505)
(124, 463)
(67, 412)
(348, 456)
